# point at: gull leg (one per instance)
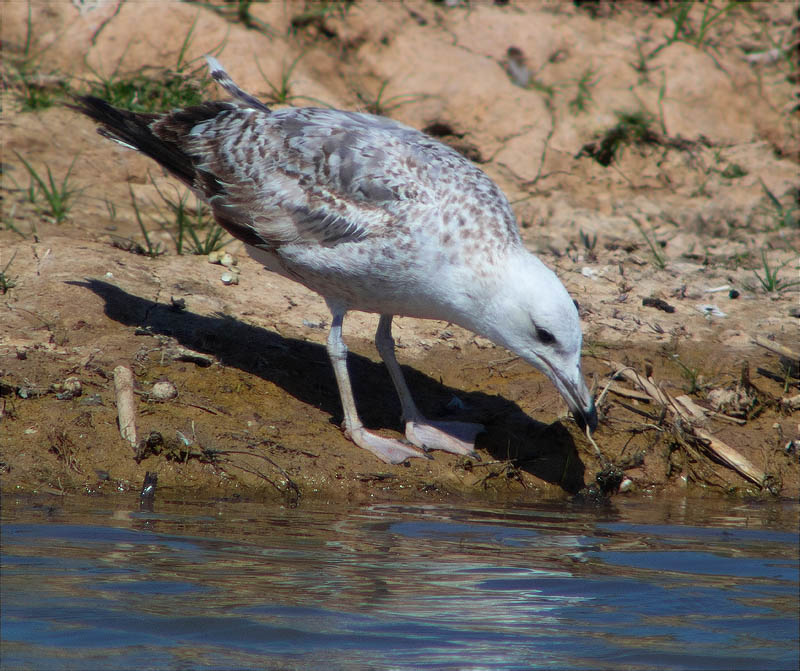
(455, 437)
(387, 449)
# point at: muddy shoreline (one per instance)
(267, 424)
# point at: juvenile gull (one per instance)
(374, 216)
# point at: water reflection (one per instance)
(221, 585)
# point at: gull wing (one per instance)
(306, 174)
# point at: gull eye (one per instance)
(545, 337)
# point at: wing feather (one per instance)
(307, 175)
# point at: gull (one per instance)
(374, 216)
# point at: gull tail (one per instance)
(167, 138)
(135, 131)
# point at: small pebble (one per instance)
(517, 67)
(73, 385)
(163, 391)
(228, 260)
(733, 293)
(230, 278)
(68, 389)
(213, 257)
(482, 343)
(93, 399)
(626, 485)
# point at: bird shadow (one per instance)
(303, 370)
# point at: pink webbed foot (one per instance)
(455, 437)
(386, 449)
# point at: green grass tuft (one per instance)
(58, 197)
(6, 282)
(632, 128)
(683, 30)
(784, 217)
(583, 96)
(192, 230)
(384, 106)
(770, 282)
(280, 93)
(150, 248)
(34, 89)
(157, 89)
(659, 260)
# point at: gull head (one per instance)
(531, 314)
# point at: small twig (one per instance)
(624, 391)
(199, 406)
(726, 418)
(291, 490)
(775, 347)
(484, 464)
(638, 411)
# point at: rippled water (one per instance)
(96, 584)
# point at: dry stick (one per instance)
(775, 347)
(726, 418)
(126, 404)
(725, 453)
(606, 390)
(629, 393)
(701, 413)
(730, 457)
(691, 406)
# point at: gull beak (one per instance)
(577, 395)
(586, 417)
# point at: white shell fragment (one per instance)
(163, 391)
(626, 485)
(711, 310)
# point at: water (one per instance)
(96, 584)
